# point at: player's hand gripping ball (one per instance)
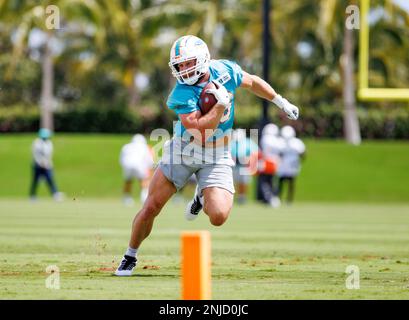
(207, 100)
(216, 91)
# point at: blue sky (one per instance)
(403, 4)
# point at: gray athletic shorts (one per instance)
(241, 174)
(178, 168)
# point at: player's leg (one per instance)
(127, 187)
(144, 183)
(275, 201)
(291, 189)
(265, 187)
(241, 177)
(34, 183)
(195, 205)
(242, 192)
(170, 176)
(160, 191)
(128, 175)
(217, 204)
(127, 192)
(275, 185)
(215, 184)
(280, 186)
(49, 176)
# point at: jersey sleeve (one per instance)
(235, 71)
(182, 100)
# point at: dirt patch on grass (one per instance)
(110, 269)
(4, 273)
(151, 267)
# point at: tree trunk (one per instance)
(133, 92)
(47, 99)
(351, 124)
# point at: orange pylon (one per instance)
(196, 263)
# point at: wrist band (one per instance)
(279, 101)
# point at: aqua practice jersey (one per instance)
(185, 99)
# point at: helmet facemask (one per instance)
(191, 75)
(193, 49)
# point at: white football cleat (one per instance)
(128, 201)
(275, 202)
(126, 266)
(58, 196)
(194, 206)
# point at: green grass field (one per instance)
(298, 252)
(87, 166)
(352, 208)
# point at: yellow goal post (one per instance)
(364, 92)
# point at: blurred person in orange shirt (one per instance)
(269, 160)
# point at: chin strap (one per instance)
(199, 79)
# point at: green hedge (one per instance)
(87, 120)
(320, 122)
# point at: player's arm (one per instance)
(196, 123)
(262, 89)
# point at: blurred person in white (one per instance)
(271, 145)
(137, 162)
(290, 166)
(42, 152)
(243, 150)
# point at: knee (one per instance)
(151, 208)
(218, 220)
(217, 216)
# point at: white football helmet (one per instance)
(188, 48)
(270, 129)
(287, 132)
(139, 139)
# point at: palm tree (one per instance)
(331, 55)
(329, 23)
(125, 31)
(351, 124)
(34, 16)
(389, 38)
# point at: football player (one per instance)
(290, 166)
(210, 160)
(42, 151)
(271, 145)
(137, 162)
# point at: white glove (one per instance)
(221, 94)
(290, 109)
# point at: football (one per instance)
(207, 100)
